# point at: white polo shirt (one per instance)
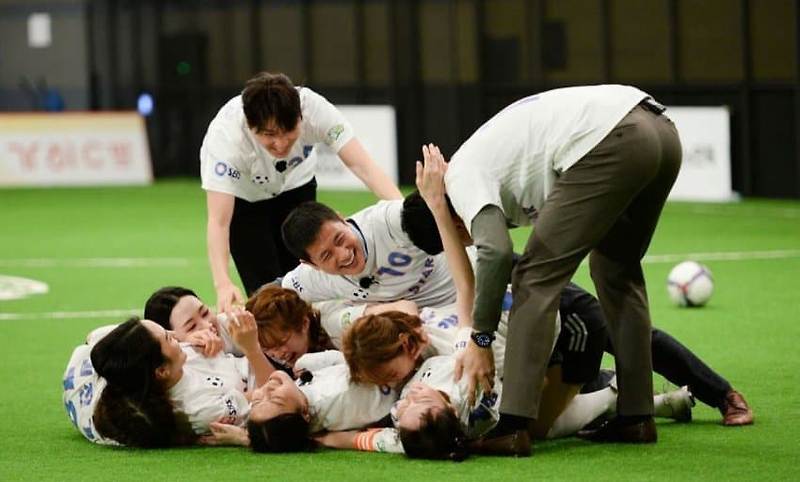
(513, 160)
(233, 162)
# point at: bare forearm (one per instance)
(458, 261)
(218, 252)
(261, 367)
(358, 160)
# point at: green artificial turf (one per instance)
(73, 240)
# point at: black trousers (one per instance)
(255, 236)
(671, 359)
(679, 365)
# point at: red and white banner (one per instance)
(74, 149)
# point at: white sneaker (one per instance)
(681, 401)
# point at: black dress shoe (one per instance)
(643, 432)
(516, 444)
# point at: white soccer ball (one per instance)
(690, 284)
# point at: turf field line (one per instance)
(62, 315)
(785, 213)
(723, 256)
(95, 262)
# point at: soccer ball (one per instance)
(690, 284)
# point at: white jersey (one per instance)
(83, 387)
(437, 373)
(440, 324)
(335, 403)
(513, 160)
(395, 268)
(213, 389)
(233, 162)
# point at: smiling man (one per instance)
(257, 163)
(365, 258)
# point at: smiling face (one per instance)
(337, 249)
(293, 347)
(421, 399)
(276, 141)
(279, 395)
(190, 315)
(174, 358)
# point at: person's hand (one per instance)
(206, 341)
(243, 330)
(430, 176)
(225, 434)
(228, 297)
(477, 364)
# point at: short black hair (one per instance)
(439, 437)
(288, 432)
(301, 227)
(160, 304)
(418, 223)
(269, 98)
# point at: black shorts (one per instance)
(255, 236)
(580, 345)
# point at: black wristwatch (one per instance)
(483, 339)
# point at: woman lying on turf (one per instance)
(285, 412)
(284, 415)
(160, 392)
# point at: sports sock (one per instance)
(581, 410)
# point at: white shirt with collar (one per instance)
(233, 162)
(513, 160)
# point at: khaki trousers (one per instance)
(607, 206)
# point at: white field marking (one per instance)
(62, 315)
(95, 263)
(722, 256)
(650, 259)
(772, 212)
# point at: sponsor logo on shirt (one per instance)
(334, 133)
(221, 169)
(426, 273)
(296, 285)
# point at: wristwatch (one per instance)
(483, 339)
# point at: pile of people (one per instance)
(411, 326)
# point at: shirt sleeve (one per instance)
(222, 167)
(311, 284)
(319, 360)
(493, 266)
(325, 121)
(337, 315)
(230, 407)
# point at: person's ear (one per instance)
(162, 373)
(304, 413)
(306, 324)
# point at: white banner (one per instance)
(706, 138)
(74, 149)
(375, 127)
